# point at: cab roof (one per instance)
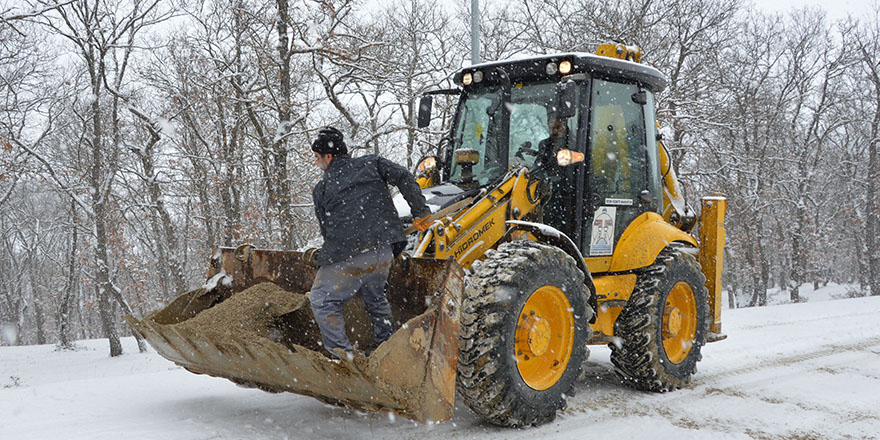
(535, 69)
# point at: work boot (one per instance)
(340, 354)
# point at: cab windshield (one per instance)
(535, 132)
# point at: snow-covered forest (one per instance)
(138, 134)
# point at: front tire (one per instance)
(663, 326)
(524, 328)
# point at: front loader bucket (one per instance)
(251, 324)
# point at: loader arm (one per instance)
(467, 234)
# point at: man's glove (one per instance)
(310, 257)
(422, 224)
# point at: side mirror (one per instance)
(566, 98)
(466, 158)
(425, 105)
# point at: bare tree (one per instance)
(65, 312)
(738, 150)
(103, 34)
(867, 40)
(812, 68)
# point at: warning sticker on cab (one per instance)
(602, 235)
(618, 202)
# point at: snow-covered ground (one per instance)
(790, 371)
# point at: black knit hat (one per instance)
(329, 141)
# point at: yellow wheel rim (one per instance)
(544, 337)
(679, 322)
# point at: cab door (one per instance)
(618, 188)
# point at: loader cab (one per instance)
(511, 115)
(523, 113)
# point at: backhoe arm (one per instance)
(675, 210)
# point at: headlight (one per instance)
(565, 67)
(551, 68)
(467, 79)
(427, 164)
(478, 76)
(566, 157)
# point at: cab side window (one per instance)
(618, 142)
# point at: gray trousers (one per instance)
(364, 274)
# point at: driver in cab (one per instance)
(548, 147)
(545, 163)
(557, 211)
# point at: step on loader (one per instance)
(560, 223)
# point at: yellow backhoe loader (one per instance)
(559, 223)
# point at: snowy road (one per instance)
(804, 371)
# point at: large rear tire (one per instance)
(524, 328)
(663, 326)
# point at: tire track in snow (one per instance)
(766, 324)
(624, 402)
(762, 366)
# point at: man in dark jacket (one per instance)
(362, 232)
